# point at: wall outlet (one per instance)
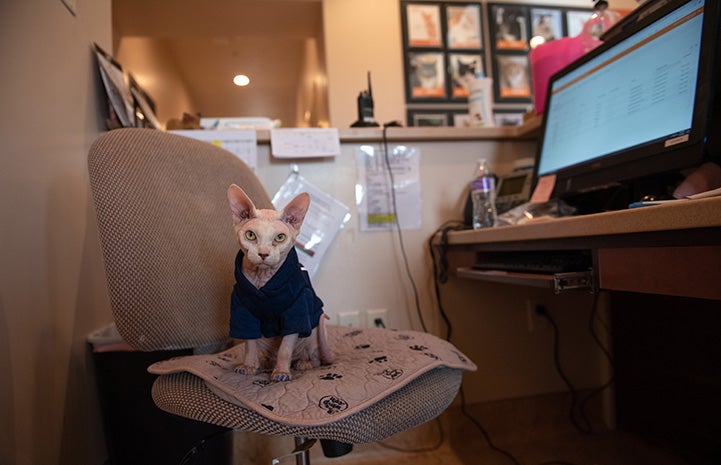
(534, 320)
(350, 319)
(377, 318)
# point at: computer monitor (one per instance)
(639, 105)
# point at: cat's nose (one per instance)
(263, 256)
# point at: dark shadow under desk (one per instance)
(661, 267)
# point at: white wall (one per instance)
(52, 291)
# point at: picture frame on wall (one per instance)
(464, 26)
(426, 79)
(547, 23)
(463, 68)
(509, 27)
(427, 118)
(512, 78)
(508, 117)
(459, 118)
(422, 25)
(575, 20)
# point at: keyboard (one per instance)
(545, 262)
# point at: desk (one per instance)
(661, 267)
(668, 249)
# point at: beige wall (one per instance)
(52, 291)
(166, 84)
(51, 284)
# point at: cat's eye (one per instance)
(250, 235)
(280, 237)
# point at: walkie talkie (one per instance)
(365, 108)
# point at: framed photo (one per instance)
(143, 106)
(459, 118)
(463, 68)
(120, 100)
(512, 80)
(463, 23)
(426, 79)
(433, 118)
(508, 117)
(575, 19)
(547, 23)
(509, 27)
(422, 23)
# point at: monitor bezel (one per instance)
(650, 159)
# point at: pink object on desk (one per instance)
(548, 58)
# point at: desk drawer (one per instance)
(679, 271)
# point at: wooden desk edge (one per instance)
(684, 214)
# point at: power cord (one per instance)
(416, 297)
(398, 228)
(195, 452)
(582, 423)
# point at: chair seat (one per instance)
(425, 398)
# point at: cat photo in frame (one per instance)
(513, 78)
(463, 69)
(426, 76)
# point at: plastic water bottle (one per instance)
(483, 196)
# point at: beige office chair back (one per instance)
(167, 239)
(169, 280)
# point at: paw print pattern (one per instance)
(330, 376)
(362, 346)
(419, 348)
(391, 373)
(431, 355)
(332, 404)
(381, 359)
(353, 333)
(262, 382)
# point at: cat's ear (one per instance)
(295, 211)
(240, 204)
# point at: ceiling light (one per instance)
(241, 80)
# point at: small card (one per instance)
(544, 189)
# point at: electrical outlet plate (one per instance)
(374, 314)
(535, 321)
(350, 318)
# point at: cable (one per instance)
(400, 233)
(440, 272)
(197, 449)
(483, 431)
(582, 428)
(606, 353)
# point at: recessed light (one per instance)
(241, 80)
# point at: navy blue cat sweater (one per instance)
(286, 304)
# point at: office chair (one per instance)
(168, 245)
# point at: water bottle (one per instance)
(483, 196)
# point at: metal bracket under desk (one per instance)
(558, 282)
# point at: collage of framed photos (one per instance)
(444, 48)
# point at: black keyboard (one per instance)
(546, 262)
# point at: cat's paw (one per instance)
(246, 370)
(280, 376)
(302, 365)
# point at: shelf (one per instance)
(527, 131)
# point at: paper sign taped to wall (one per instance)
(304, 142)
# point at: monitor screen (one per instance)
(633, 107)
